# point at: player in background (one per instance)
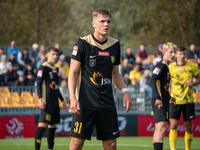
(182, 74)
(160, 95)
(94, 66)
(48, 93)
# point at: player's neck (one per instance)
(180, 63)
(167, 61)
(100, 38)
(51, 63)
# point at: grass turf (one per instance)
(123, 143)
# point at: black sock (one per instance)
(50, 137)
(158, 146)
(38, 136)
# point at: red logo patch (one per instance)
(181, 68)
(156, 70)
(102, 53)
(75, 50)
(54, 71)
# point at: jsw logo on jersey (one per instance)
(99, 77)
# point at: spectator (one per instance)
(21, 81)
(138, 61)
(157, 59)
(135, 76)
(160, 50)
(34, 53)
(192, 54)
(13, 49)
(142, 52)
(1, 52)
(10, 76)
(41, 61)
(13, 61)
(63, 68)
(130, 56)
(148, 65)
(41, 52)
(125, 70)
(29, 74)
(145, 83)
(64, 90)
(4, 64)
(23, 58)
(57, 46)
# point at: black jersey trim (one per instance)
(99, 41)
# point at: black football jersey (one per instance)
(94, 85)
(47, 85)
(160, 81)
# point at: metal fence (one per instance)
(23, 100)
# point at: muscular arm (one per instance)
(193, 83)
(73, 73)
(117, 80)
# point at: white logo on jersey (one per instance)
(156, 71)
(93, 56)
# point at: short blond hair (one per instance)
(168, 45)
(101, 11)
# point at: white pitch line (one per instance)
(131, 145)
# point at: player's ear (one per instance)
(93, 24)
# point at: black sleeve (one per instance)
(40, 77)
(156, 75)
(78, 52)
(60, 96)
(117, 60)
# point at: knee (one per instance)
(173, 126)
(110, 144)
(162, 129)
(188, 127)
(76, 144)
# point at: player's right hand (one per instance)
(41, 104)
(158, 103)
(74, 106)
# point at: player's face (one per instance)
(101, 24)
(52, 57)
(169, 54)
(180, 55)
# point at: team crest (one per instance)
(92, 62)
(50, 75)
(113, 59)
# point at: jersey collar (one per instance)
(181, 65)
(99, 41)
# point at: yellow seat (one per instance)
(152, 58)
(14, 99)
(35, 100)
(197, 95)
(26, 99)
(4, 103)
(5, 90)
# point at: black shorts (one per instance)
(51, 116)
(161, 114)
(106, 124)
(187, 110)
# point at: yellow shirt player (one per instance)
(135, 76)
(182, 74)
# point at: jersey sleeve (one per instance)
(117, 60)
(40, 77)
(155, 79)
(195, 70)
(78, 52)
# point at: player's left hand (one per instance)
(127, 101)
(172, 100)
(65, 106)
(189, 83)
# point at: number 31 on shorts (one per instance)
(78, 127)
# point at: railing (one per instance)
(23, 100)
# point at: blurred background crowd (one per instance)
(18, 67)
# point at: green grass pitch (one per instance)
(123, 143)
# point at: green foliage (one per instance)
(134, 22)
